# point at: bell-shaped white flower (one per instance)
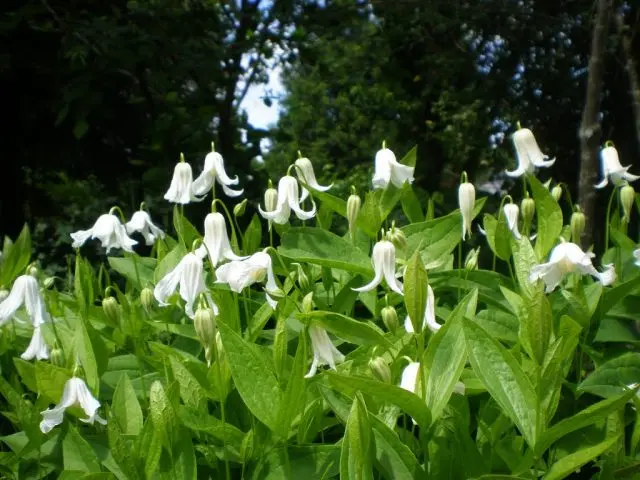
(37, 347)
(389, 170)
(409, 379)
(216, 241)
(306, 174)
(324, 351)
(511, 213)
(141, 222)
(189, 275)
(569, 258)
(214, 171)
(287, 200)
(25, 291)
(636, 255)
(181, 187)
(109, 230)
(429, 320)
(528, 153)
(466, 200)
(612, 169)
(75, 393)
(383, 259)
(240, 274)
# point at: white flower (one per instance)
(216, 241)
(240, 274)
(612, 169)
(388, 169)
(25, 290)
(383, 259)
(181, 188)
(287, 201)
(214, 170)
(75, 393)
(511, 212)
(568, 258)
(189, 274)
(466, 200)
(304, 169)
(37, 347)
(141, 222)
(528, 153)
(109, 230)
(636, 254)
(429, 315)
(409, 380)
(324, 352)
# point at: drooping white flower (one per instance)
(287, 200)
(214, 171)
(612, 169)
(240, 274)
(409, 380)
(181, 187)
(569, 258)
(109, 230)
(25, 291)
(466, 200)
(389, 170)
(511, 213)
(77, 393)
(216, 241)
(324, 351)
(141, 222)
(383, 259)
(306, 174)
(429, 320)
(636, 254)
(528, 153)
(189, 274)
(37, 347)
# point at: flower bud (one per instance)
(627, 197)
(528, 210)
(380, 369)
(111, 309)
(56, 357)
(4, 293)
(146, 298)
(398, 238)
(556, 193)
(204, 323)
(270, 199)
(240, 208)
(33, 271)
(219, 346)
(577, 226)
(471, 262)
(49, 282)
(303, 279)
(307, 303)
(275, 293)
(353, 210)
(390, 318)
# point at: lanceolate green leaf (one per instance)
(613, 376)
(355, 458)
(415, 291)
(498, 235)
(505, 380)
(548, 217)
(293, 399)
(393, 457)
(572, 462)
(16, 259)
(77, 454)
(354, 331)
(524, 258)
(125, 408)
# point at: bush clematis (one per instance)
(141, 222)
(511, 213)
(383, 259)
(240, 274)
(75, 392)
(37, 347)
(25, 291)
(214, 171)
(109, 230)
(528, 153)
(306, 174)
(612, 169)
(181, 187)
(389, 170)
(324, 351)
(466, 201)
(216, 241)
(287, 200)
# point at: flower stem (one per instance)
(608, 224)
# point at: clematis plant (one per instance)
(466, 201)
(37, 348)
(77, 393)
(240, 274)
(511, 213)
(287, 201)
(306, 174)
(109, 230)
(25, 291)
(213, 172)
(216, 241)
(181, 187)
(324, 351)
(383, 259)
(528, 153)
(389, 170)
(612, 170)
(141, 222)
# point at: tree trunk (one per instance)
(632, 74)
(590, 128)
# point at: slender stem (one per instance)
(608, 224)
(459, 267)
(223, 398)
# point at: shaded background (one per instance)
(100, 98)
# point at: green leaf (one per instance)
(504, 379)
(393, 458)
(256, 384)
(566, 465)
(16, 259)
(252, 236)
(169, 262)
(524, 258)
(200, 421)
(85, 353)
(548, 217)
(536, 326)
(613, 296)
(415, 291)
(77, 454)
(411, 205)
(182, 463)
(50, 380)
(83, 284)
(162, 414)
(192, 392)
(321, 247)
(369, 220)
(613, 376)
(187, 233)
(351, 330)
(127, 268)
(498, 235)
(355, 457)
(125, 407)
(407, 401)
(307, 461)
(294, 395)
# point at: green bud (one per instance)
(146, 298)
(240, 208)
(111, 309)
(270, 199)
(48, 282)
(219, 346)
(353, 210)
(307, 303)
(577, 226)
(56, 357)
(398, 238)
(471, 261)
(303, 279)
(556, 193)
(390, 318)
(627, 197)
(204, 323)
(380, 369)
(527, 210)
(276, 293)
(33, 271)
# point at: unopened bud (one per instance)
(33, 271)
(528, 210)
(270, 199)
(219, 346)
(627, 197)
(398, 238)
(56, 357)
(353, 210)
(276, 293)
(204, 323)
(556, 193)
(390, 318)
(240, 208)
(307, 303)
(471, 262)
(303, 279)
(111, 309)
(577, 226)
(380, 369)
(4, 293)
(48, 282)
(146, 298)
